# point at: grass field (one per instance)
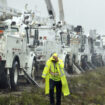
(86, 89)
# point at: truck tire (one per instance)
(67, 65)
(34, 71)
(3, 76)
(14, 73)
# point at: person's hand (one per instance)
(43, 80)
(56, 58)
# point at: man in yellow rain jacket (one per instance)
(55, 79)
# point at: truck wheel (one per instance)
(14, 72)
(34, 72)
(67, 64)
(3, 76)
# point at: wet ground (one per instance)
(86, 89)
(23, 85)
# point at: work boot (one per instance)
(52, 104)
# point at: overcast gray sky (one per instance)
(88, 13)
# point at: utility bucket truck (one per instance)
(17, 55)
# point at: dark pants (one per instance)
(58, 86)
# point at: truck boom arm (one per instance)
(61, 11)
(50, 9)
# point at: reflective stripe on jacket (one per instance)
(47, 75)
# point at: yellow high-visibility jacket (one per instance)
(46, 74)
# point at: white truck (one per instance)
(79, 50)
(49, 38)
(48, 44)
(17, 44)
(98, 55)
(17, 55)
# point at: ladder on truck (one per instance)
(30, 79)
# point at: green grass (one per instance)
(27, 98)
(86, 89)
